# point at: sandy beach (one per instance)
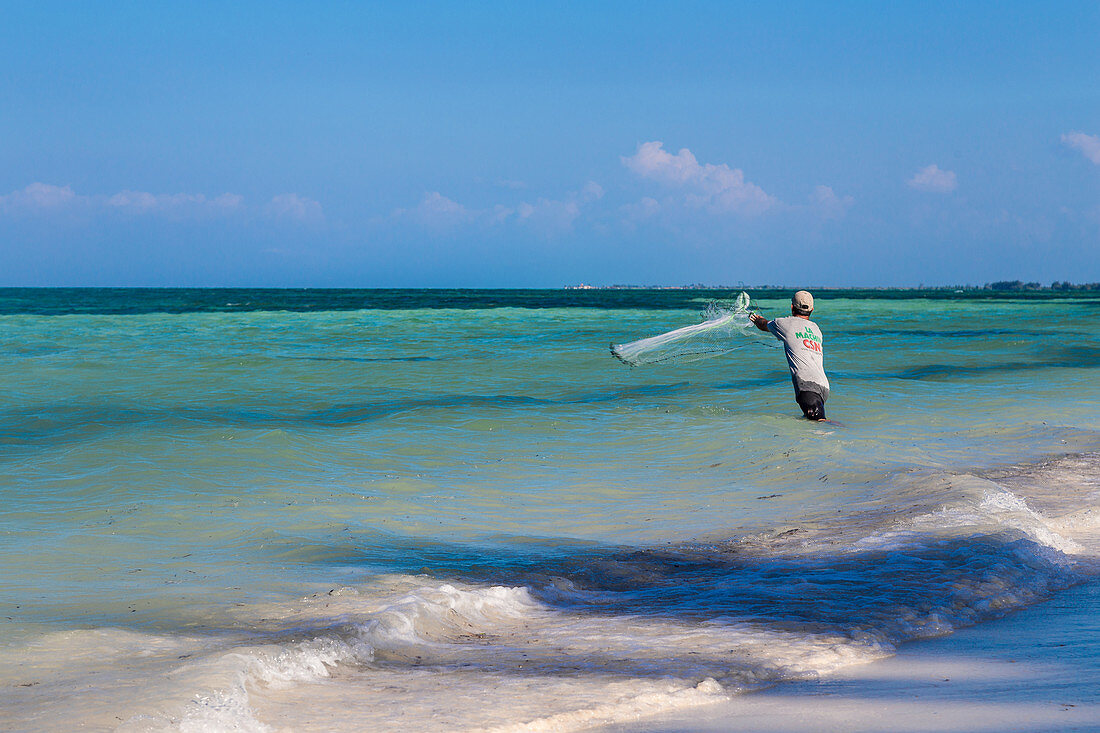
(1034, 670)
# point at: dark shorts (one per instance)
(813, 406)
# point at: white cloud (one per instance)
(549, 215)
(39, 197)
(143, 202)
(558, 215)
(1089, 145)
(293, 206)
(830, 206)
(644, 209)
(43, 198)
(498, 214)
(592, 191)
(715, 188)
(438, 212)
(931, 178)
(543, 206)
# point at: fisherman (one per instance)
(802, 343)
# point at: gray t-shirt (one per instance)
(802, 342)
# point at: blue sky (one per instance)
(540, 144)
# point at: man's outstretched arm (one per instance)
(759, 321)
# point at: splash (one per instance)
(716, 335)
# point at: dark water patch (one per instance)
(361, 359)
(893, 592)
(1079, 357)
(59, 424)
(885, 594)
(984, 333)
(131, 301)
(781, 379)
(1060, 357)
(352, 414)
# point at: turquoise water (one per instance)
(454, 510)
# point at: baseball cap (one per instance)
(803, 302)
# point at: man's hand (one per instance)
(759, 321)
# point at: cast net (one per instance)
(720, 333)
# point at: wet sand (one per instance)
(1035, 670)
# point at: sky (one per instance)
(522, 144)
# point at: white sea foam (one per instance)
(646, 703)
(219, 711)
(996, 509)
(589, 669)
(599, 638)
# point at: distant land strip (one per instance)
(1000, 285)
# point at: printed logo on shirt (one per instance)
(810, 340)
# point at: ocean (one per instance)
(326, 510)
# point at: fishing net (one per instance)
(718, 334)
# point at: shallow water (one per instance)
(426, 510)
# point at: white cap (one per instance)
(803, 302)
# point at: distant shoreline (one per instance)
(1009, 286)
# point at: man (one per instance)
(802, 343)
